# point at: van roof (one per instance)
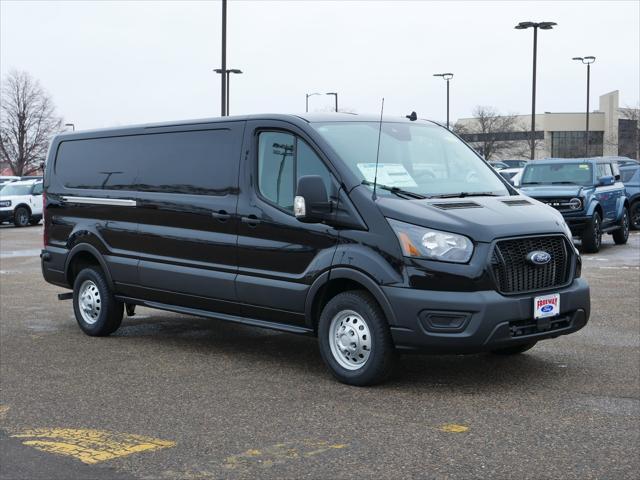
(305, 117)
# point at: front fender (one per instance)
(348, 274)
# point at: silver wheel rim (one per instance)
(89, 302)
(350, 340)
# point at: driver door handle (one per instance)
(221, 215)
(251, 220)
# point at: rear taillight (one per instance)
(45, 220)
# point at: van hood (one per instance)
(483, 219)
(547, 191)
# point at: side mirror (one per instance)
(311, 204)
(606, 181)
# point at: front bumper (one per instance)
(489, 320)
(577, 224)
(6, 215)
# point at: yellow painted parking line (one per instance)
(280, 453)
(89, 446)
(453, 428)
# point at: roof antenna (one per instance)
(413, 117)
(375, 178)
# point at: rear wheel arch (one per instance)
(339, 280)
(83, 256)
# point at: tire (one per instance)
(634, 215)
(592, 234)
(34, 220)
(356, 314)
(21, 217)
(97, 311)
(621, 235)
(515, 350)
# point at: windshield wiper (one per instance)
(531, 183)
(466, 194)
(563, 183)
(398, 191)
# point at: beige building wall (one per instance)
(603, 120)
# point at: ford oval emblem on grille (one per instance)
(538, 257)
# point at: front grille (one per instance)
(514, 274)
(561, 204)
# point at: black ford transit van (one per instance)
(275, 221)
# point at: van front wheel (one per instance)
(97, 311)
(355, 341)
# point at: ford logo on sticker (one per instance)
(546, 308)
(538, 257)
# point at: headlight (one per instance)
(420, 242)
(5, 203)
(575, 203)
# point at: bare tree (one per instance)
(488, 131)
(28, 120)
(522, 148)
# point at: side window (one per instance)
(282, 160)
(276, 167)
(309, 164)
(604, 170)
(37, 189)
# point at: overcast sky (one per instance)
(114, 63)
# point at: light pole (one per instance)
(335, 94)
(535, 26)
(587, 61)
(223, 88)
(306, 104)
(73, 127)
(226, 76)
(447, 77)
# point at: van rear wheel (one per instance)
(355, 341)
(97, 311)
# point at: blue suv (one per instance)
(631, 179)
(587, 191)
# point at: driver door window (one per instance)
(282, 160)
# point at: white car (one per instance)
(21, 203)
(4, 180)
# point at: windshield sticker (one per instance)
(390, 174)
(584, 166)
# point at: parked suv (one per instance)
(631, 179)
(587, 191)
(375, 236)
(21, 202)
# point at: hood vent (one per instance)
(455, 205)
(516, 203)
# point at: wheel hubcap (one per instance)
(625, 224)
(598, 235)
(350, 340)
(89, 302)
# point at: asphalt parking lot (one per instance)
(176, 397)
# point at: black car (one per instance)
(376, 237)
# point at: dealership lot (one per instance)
(170, 396)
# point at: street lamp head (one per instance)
(445, 76)
(331, 93)
(586, 60)
(523, 25)
(546, 25)
(540, 25)
(234, 70)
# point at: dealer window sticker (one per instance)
(390, 174)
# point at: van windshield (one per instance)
(557, 173)
(424, 159)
